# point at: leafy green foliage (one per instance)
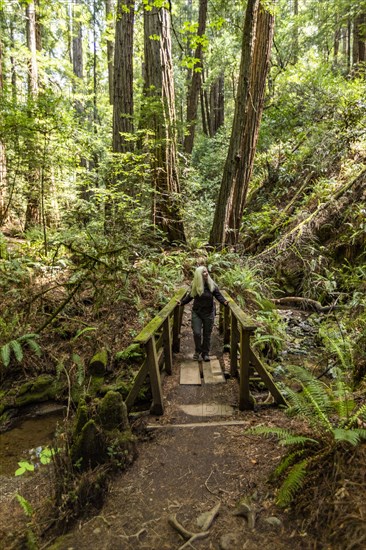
(327, 410)
(15, 347)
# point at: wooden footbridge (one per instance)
(161, 338)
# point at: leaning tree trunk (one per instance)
(256, 49)
(160, 118)
(123, 108)
(194, 90)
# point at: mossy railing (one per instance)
(159, 338)
(237, 328)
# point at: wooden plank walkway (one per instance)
(190, 372)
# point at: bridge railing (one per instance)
(159, 338)
(237, 329)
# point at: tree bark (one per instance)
(110, 47)
(160, 118)
(32, 214)
(3, 165)
(123, 108)
(256, 49)
(217, 104)
(358, 49)
(194, 91)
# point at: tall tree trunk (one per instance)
(32, 215)
(161, 120)
(358, 49)
(349, 35)
(217, 104)
(295, 36)
(77, 43)
(256, 49)
(110, 47)
(123, 108)
(194, 91)
(3, 165)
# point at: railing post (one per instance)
(246, 401)
(226, 325)
(234, 341)
(177, 322)
(154, 373)
(167, 343)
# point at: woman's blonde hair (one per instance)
(198, 283)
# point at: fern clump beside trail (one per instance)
(316, 468)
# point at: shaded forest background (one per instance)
(138, 140)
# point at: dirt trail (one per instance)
(187, 471)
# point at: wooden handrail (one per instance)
(237, 328)
(168, 320)
(246, 322)
(155, 324)
(163, 332)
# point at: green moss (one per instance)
(25, 388)
(42, 382)
(88, 449)
(82, 417)
(98, 363)
(96, 382)
(113, 412)
(41, 389)
(132, 354)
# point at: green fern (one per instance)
(327, 410)
(287, 461)
(17, 349)
(293, 483)
(360, 413)
(32, 344)
(285, 436)
(5, 354)
(353, 436)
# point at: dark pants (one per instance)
(202, 329)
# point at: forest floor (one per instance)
(189, 464)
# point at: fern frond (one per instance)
(292, 484)
(318, 409)
(32, 344)
(268, 431)
(5, 354)
(361, 412)
(287, 461)
(17, 349)
(298, 440)
(349, 436)
(28, 336)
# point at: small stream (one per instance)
(21, 442)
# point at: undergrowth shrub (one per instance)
(332, 418)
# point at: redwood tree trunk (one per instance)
(358, 50)
(123, 108)
(256, 48)
(110, 48)
(32, 215)
(3, 166)
(194, 90)
(160, 118)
